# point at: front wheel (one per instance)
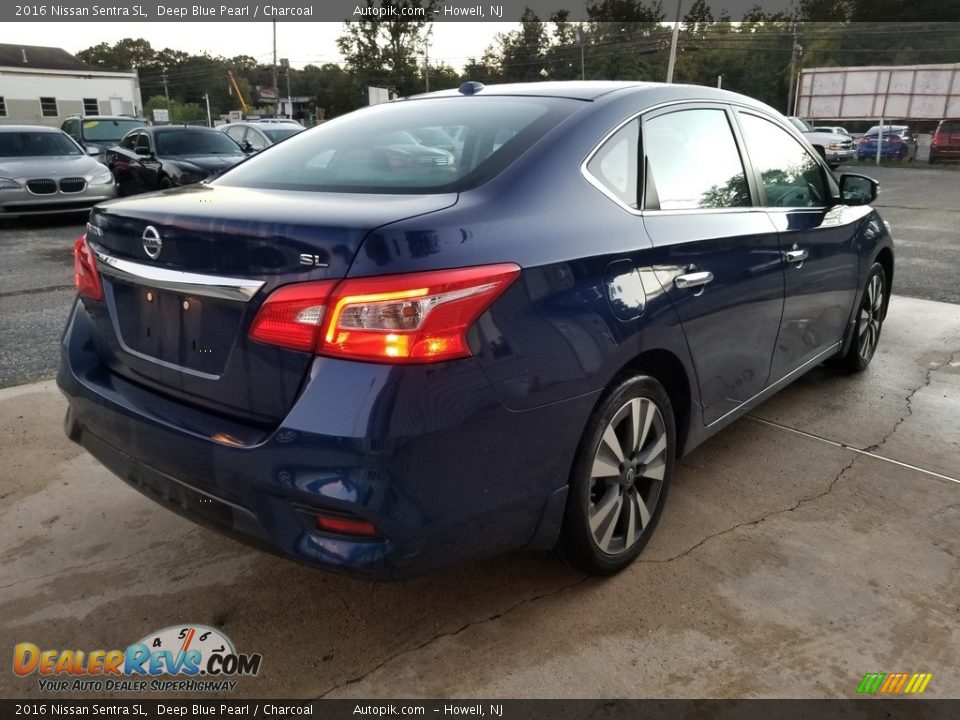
(869, 323)
(620, 477)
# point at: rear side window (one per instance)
(692, 162)
(379, 150)
(614, 165)
(789, 174)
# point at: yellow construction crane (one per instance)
(233, 81)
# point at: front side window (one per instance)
(255, 138)
(48, 107)
(692, 162)
(143, 142)
(130, 141)
(237, 132)
(376, 150)
(789, 174)
(614, 165)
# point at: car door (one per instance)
(817, 241)
(717, 255)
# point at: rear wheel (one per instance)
(620, 477)
(869, 323)
(165, 183)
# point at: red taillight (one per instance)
(414, 318)
(86, 279)
(292, 315)
(346, 525)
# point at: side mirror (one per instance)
(247, 147)
(143, 152)
(858, 189)
(93, 150)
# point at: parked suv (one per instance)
(946, 141)
(98, 133)
(835, 148)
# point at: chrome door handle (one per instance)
(795, 256)
(692, 280)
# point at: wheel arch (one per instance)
(670, 372)
(885, 258)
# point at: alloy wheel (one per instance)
(627, 475)
(870, 318)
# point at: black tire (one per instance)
(868, 324)
(626, 505)
(165, 183)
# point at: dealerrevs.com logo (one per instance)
(201, 658)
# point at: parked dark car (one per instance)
(381, 368)
(897, 143)
(154, 158)
(98, 133)
(945, 144)
(256, 136)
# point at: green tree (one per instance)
(385, 52)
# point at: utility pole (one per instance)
(426, 58)
(580, 38)
(206, 98)
(285, 64)
(797, 50)
(166, 92)
(673, 45)
(275, 85)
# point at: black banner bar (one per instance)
(454, 10)
(861, 709)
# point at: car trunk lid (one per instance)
(185, 271)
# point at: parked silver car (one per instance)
(44, 171)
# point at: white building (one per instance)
(45, 85)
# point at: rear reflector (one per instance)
(86, 279)
(292, 315)
(346, 526)
(413, 318)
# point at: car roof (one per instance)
(105, 117)
(30, 128)
(575, 89)
(168, 128)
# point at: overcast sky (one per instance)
(302, 42)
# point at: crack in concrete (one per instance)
(466, 626)
(759, 520)
(98, 562)
(928, 378)
(568, 586)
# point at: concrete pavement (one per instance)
(800, 548)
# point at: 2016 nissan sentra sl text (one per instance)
(383, 358)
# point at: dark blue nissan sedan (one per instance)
(381, 357)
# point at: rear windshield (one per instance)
(37, 144)
(108, 130)
(195, 142)
(377, 150)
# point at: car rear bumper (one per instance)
(427, 454)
